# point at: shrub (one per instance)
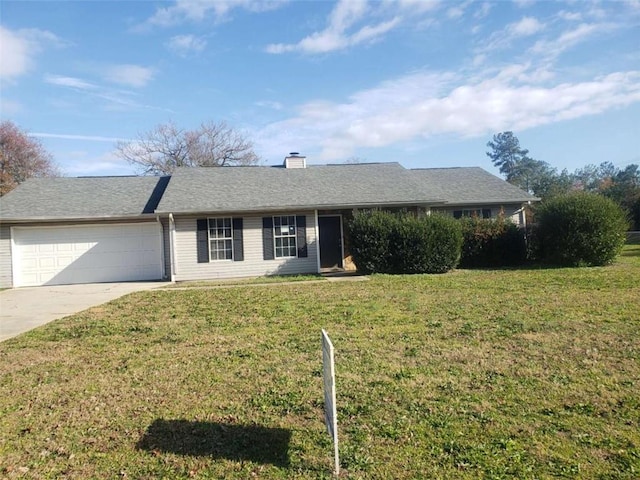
(370, 233)
(492, 243)
(580, 229)
(383, 242)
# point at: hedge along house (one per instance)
(220, 222)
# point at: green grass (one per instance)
(472, 374)
(247, 281)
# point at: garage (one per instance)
(86, 254)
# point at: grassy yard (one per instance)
(473, 374)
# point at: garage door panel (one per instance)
(87, 254)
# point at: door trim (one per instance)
(339, 215)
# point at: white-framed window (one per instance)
(220, 239)
(476, 212)
(284, 236)
(472, 213)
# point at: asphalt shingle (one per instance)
(83, 197)
(242, 189)
(469, 185)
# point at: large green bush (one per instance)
(384, 242)
(580, 229)
(370, 233)
(492, 243)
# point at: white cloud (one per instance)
(568, 39)
(341, 31)
(525, 27)
(184, 11)
(424, 105)
(86, 138)
(183, 45)
(19, 48)
(484, 10)
(569, 16)
(524, 3)
(130, 75)
(270, 104)
(70, 82)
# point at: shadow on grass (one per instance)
(218, 440)
(631, 251)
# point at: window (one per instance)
(284, 235)
(220, 239)
(474, 213)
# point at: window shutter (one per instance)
(238, 247)
(301, 235)
(486, 213)
(267, 238)
(202, 240)
(457, 214)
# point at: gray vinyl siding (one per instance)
(6, 269)
(253, 265)
(511, 212)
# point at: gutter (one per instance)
(110, 218)
(281, 208)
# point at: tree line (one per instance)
(622, 185)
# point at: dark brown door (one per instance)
(330, 242)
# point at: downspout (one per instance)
(164, 270)
(317, 241)
(172, 242)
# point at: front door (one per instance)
(330, 241)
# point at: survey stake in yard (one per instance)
(329, 378)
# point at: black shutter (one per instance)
(486, 213)
(301, 235)
(202, 240)
(238, 250)
(457, 214)
(267, 238)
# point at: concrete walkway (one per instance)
(22, 309)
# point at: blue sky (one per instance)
(424, 83)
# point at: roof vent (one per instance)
(295, 160)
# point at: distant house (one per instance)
(208, 223)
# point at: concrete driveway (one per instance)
(22, 309)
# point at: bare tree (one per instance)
(21, 157)
(161, 150)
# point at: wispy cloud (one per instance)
(20, 47)
(525, 27)
(270, 104)
(129, 75)
(70, 82)
(426, 104)
(184, 45)
(86, 138)
(111, 98)
(344, 29)
(568, 39)
(189, 11)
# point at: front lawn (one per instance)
(472, 374)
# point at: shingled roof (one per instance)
(468, 186)
(252, 189)
(82, 197)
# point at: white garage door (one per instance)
(86, 254)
